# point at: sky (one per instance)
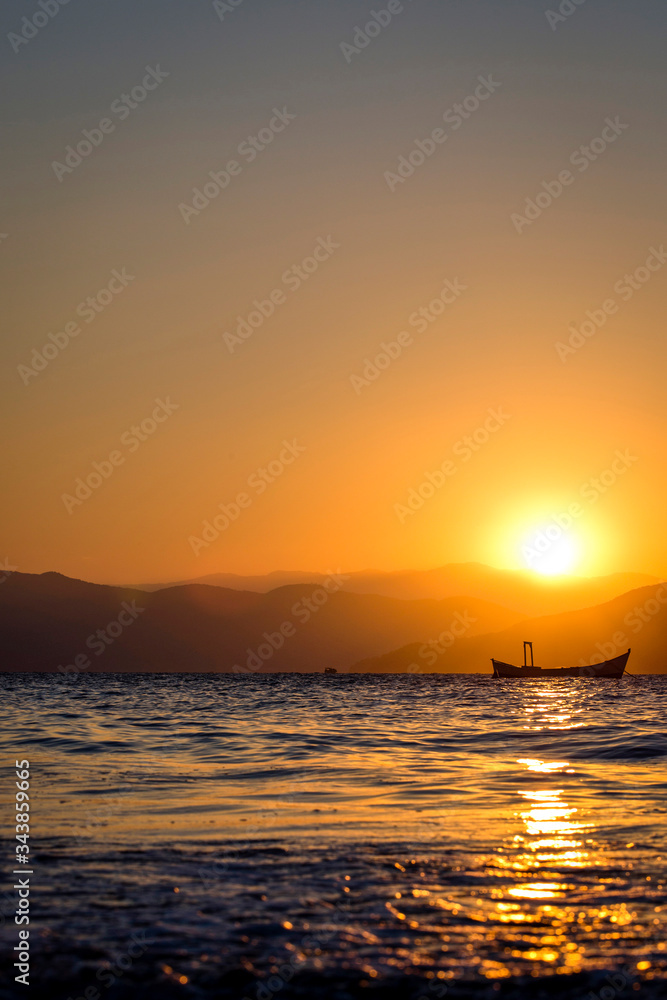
(189, 375)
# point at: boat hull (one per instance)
(610, 668)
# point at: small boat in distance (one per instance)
(609, 668)
(330, 670)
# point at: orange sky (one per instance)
(385, 249)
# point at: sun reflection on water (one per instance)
(555, 835)
(481, 833)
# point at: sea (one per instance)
(268, 837)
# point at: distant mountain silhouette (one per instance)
(637, 619)
(522, 592)
(260, 584)
(47, 620)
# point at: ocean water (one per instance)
(339, 836)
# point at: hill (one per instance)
(637, 619)
(47, 621)
(523, 592)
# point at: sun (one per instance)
(550, 550)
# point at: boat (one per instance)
(330, 670)
(609, 668)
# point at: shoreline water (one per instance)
(386, 836)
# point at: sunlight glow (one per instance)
(550, 551)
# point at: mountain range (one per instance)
(522, 591)
(49, 622)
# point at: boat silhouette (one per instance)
(609, 668)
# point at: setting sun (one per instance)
(334, 492)
(550, 551)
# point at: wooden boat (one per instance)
(609, 668)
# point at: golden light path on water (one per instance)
(443, 827)
(556, 837)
